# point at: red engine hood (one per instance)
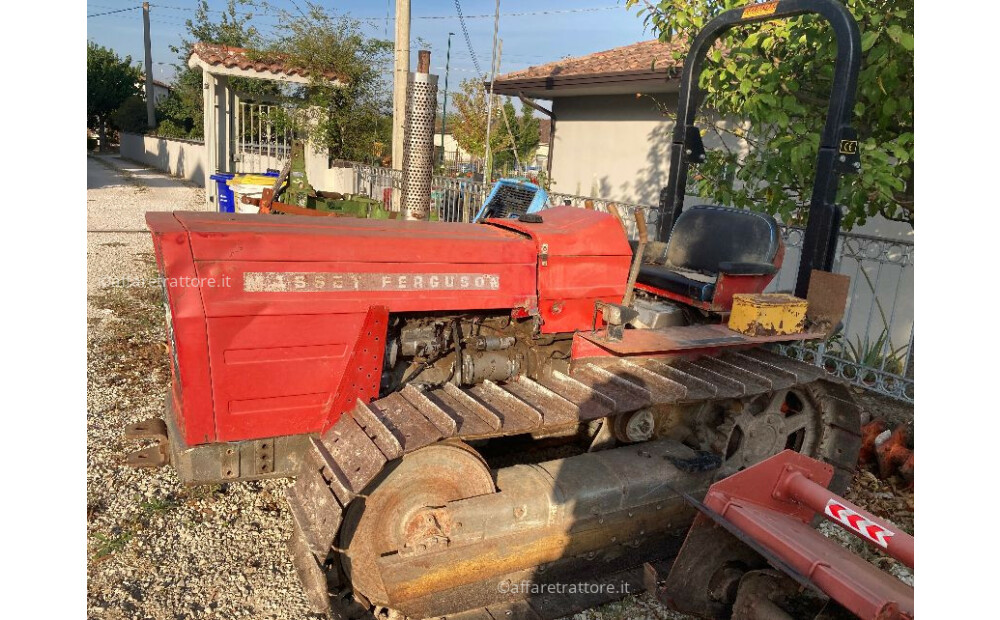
(266, 264)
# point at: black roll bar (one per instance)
(838, 148)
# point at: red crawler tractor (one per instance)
(530, 400)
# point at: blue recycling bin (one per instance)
(225, 194)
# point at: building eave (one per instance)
(555, 86)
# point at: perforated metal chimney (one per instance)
(418, 140)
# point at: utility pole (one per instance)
(400, 73)
(444, 108)
(147, 44)
(401, 70)
(488, 172)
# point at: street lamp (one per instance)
(444, 109)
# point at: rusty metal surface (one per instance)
(350, 457)
(317, 513)
(684, 338)
(472, 408)
(696, 387)
(411, 429)
(756, 593)
(556, 410)
(780, 379)
(803, 372)
(156, 455)
(401, 545)
(445, 423)
(310, 572)
(516, 415)
(827, 297)
(598, 511)
(591, 403)
(389, 520)
(375, 426)
(661, 388)
(254, 459)
(726, 386)
(626, 395)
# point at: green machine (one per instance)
(299, 192)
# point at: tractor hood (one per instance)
(267, 264)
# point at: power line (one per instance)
(492, 15)
(113, 12)
(468, 40)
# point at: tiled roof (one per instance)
(642, 57)
(238, 57)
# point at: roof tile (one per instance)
(239, 57)
(644, 56)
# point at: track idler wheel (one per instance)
(398, 514)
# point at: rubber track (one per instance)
(343, 462)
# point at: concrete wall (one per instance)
(187, 159)
(326, 178)
(182, 158)
(616, 146)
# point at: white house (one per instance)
(611, 135)
(160, 89)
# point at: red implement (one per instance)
(770, 507)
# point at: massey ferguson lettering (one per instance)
(326, 282)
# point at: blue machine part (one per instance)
(512, 198)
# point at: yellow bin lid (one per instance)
(252, 179)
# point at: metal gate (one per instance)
(258, 142)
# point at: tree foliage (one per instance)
(131, 115)
(519, 134)
(181, 112)
(777, 75)
(469, 126)
(110, 81)
(469, 118)
(346, 107)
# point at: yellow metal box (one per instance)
(773, 314)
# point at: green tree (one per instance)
(468, 125)
(468, 119)
(110, 81)
(180, 114)
(131, 115)
(519, 134)
(777, 75)
(346, 107)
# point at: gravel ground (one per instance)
(158, 549)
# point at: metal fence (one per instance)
(874, 350)
(452, 199)
(258, 143)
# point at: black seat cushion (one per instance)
(689, 284)
(705, 236)
(704, 241)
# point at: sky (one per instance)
(571, 28)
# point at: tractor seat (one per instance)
(706, 241)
